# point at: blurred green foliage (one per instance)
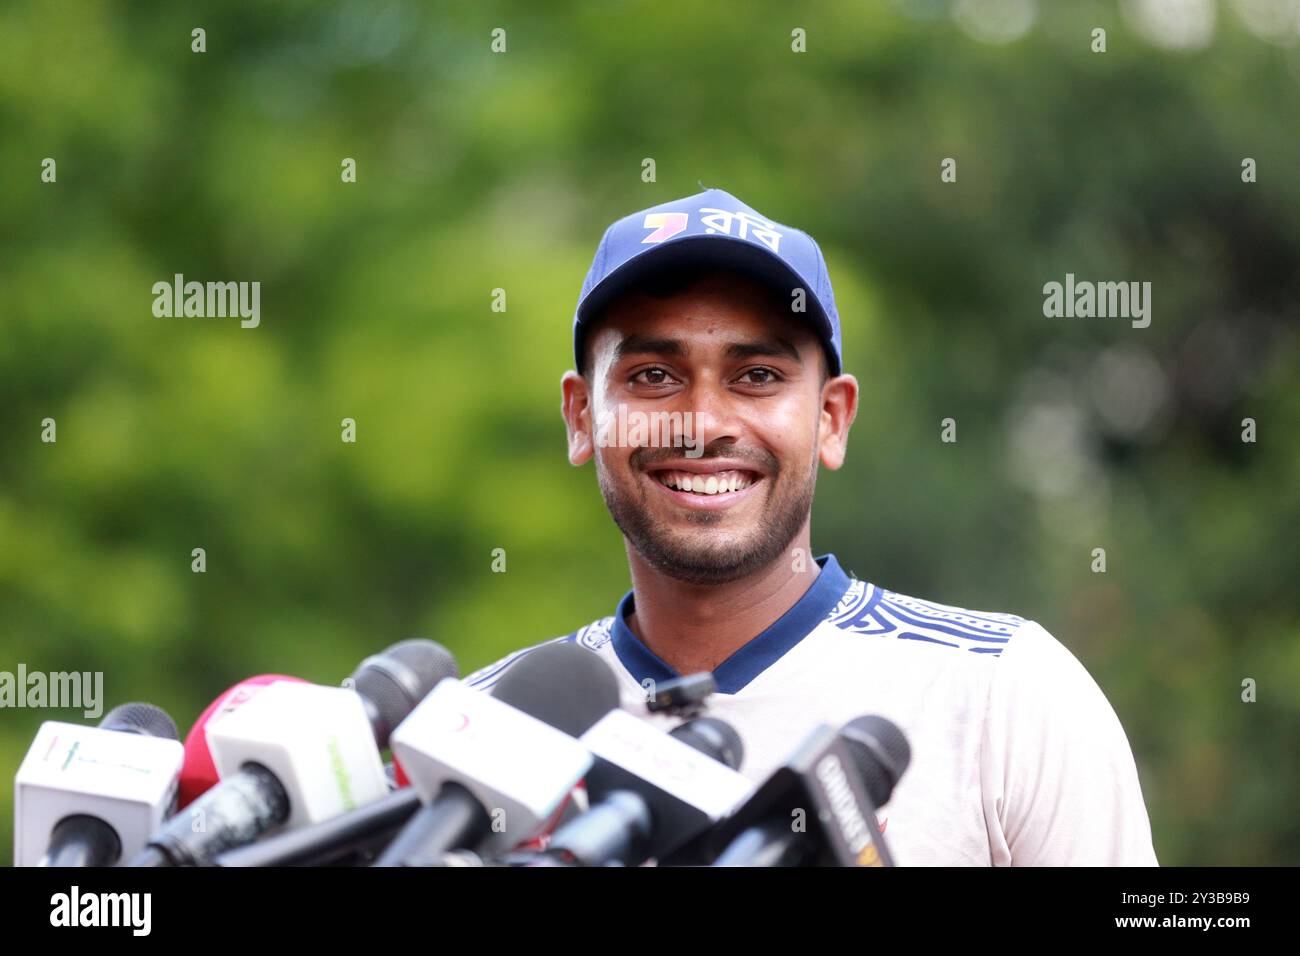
(479, 171)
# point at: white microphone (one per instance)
(683, 790)
(494, 770)
(317, 741)
(297, 754)
(92, 796)
(517, 768)
(293, 754)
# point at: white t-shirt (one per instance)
(1018, 759)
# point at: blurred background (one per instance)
(478, 171)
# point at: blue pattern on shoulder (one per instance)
(867, 609)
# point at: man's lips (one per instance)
(711, 483)
(704, 466)
(706, 483)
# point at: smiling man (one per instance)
(702, 311)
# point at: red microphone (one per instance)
(199, 773)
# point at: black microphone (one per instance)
(84, 839)
(394, 681)
(283, 725)
(833, 784)
(561, 685)
(627, 822)
(714, 738)
(143, 719)
(346, 839)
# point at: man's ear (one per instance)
(839, 408)
(575, 406)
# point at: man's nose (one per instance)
(716, 415)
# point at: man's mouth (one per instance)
(707, 483)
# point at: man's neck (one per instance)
(694, 627)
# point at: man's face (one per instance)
(735, 384)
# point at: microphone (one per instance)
(494, 769)
(714, 738)
(295, 754)
(393, 682)
(199, 774)
(652, 792)
(88, 796)
(351, 836)
(394, 671)
(833, 782)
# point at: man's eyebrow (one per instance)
(775, 347)
(641, 345)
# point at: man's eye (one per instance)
(652, 376)
(759, 376)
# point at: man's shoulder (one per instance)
(1021, 665)
(593, 637)
(870, 610)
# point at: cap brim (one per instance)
(727, 252)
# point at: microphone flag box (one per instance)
(818, 778)
(316, 740)
(509, 760)
(127, 780)
(689, 790)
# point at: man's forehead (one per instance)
(685, 324)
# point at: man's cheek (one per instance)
(618, 466)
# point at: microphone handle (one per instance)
(455, 820)
(235, 812)
(151, 856)
(82, 840)
(766, 844)
(615, 829)
(331, 840)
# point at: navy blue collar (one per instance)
(754, 657)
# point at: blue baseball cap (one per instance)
(710, 228)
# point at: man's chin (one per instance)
(707, 545)
(720, 562)
(703, 575)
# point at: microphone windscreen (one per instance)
(561, 684)
(395, 680)
(199, 773)
(139, 718)
(714, 738)
(880, 752)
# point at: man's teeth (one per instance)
(714, 484)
